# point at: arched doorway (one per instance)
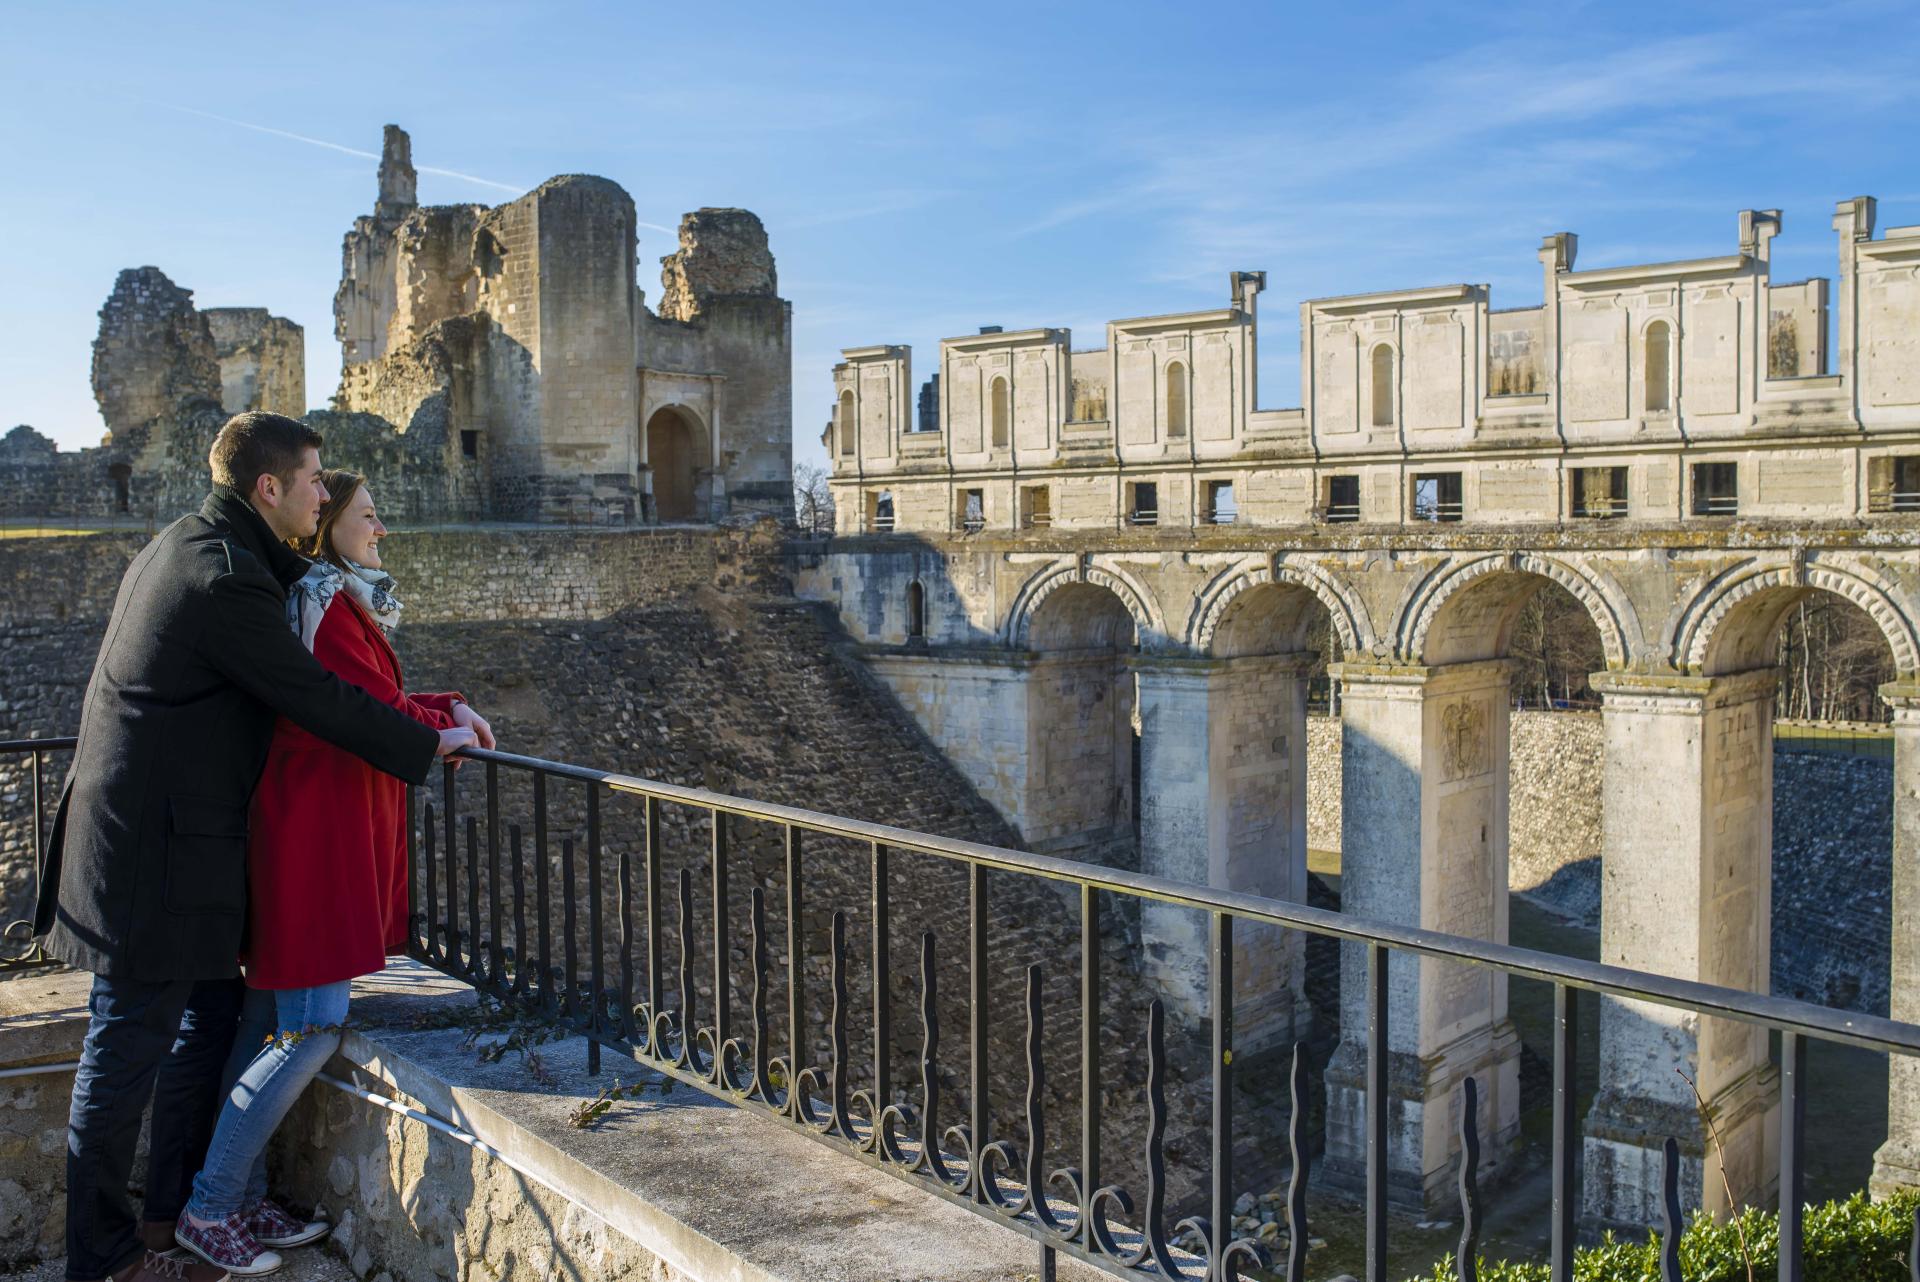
(673, 459)
(1823, 817)
(1081, 710)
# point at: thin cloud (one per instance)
(515, 188)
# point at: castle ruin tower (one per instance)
(399, 182)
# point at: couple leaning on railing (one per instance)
(237, 798)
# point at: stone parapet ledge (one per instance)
(674, 1187)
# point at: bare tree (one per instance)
(812, 499)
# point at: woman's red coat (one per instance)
(327, 844)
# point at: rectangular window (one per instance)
(1221, 508)
(1599, 493)
(1436, 496)
(1340, 499)
(1036, 507)
(880, 512)
(470, 444)
(973, 510)
(1893, 484)
(1143, 503)
(1716, 489)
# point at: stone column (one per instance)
(1424, 843)
(1686, 890)
(1223, 803)
(1897, 1163)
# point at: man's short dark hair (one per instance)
(257, 444)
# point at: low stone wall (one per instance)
(668, 1188)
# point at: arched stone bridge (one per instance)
(1098, 685)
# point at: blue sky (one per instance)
(926, 170)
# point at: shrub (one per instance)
(1850, 1241)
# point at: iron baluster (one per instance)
(882, 1093)
(569, 932)
(454, 860)
(495, 933)
(837, 1122)
(412, 816)
(540, 896)
(897, 1117)
(656, 924)
(452, 848)
(796, 981)
(762, 1044)
(1670, 1217)
(474, 965)
(976, 1133)
(1001, 1154)
(1297, 1178)
(1226, 1254)
(431, 878)
(688, 1056)
(1377, 1030)
(1793, 1132)
(1087, 1178)
(624, 890)
(1566, 1130)
(1469, 1180)
(596, 960)
(722, 991)
(519, 954)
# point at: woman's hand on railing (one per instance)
(464, 715)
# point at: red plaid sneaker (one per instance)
(227, 1245)
(272, 1225)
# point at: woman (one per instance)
(327, 886)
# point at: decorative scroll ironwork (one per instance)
(1297, 1180)
(1469, 1180)
(759, 1084)
(1671, 1221)
(833, 1080)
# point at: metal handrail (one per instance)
(1871, 1031)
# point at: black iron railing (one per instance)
(733, 1054)
(19, 950)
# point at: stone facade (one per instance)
(1697, 389)
(263, 360)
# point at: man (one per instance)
(144, 877)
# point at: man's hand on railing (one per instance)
(464, 715)
(453, 740)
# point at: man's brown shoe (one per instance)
(159, 1266)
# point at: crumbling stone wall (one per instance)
(154, 349)
(723, 253)
(263, 361)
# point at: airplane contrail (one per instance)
(334, 146)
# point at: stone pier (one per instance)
(1897, 1163)
(1686, 891)
(1223, 803)
(1424, 843)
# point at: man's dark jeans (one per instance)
(164, 1042)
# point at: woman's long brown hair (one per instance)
(341, 485)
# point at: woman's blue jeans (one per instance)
(285, 1038)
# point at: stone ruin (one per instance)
(498, 363)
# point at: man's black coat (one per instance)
(145, 873)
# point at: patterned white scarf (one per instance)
(308, 600)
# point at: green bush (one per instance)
(1851, 1241)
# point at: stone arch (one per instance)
(1210, 609)
(1733, 622)
(677, 454)
(1048, 581)
(1426, 605)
